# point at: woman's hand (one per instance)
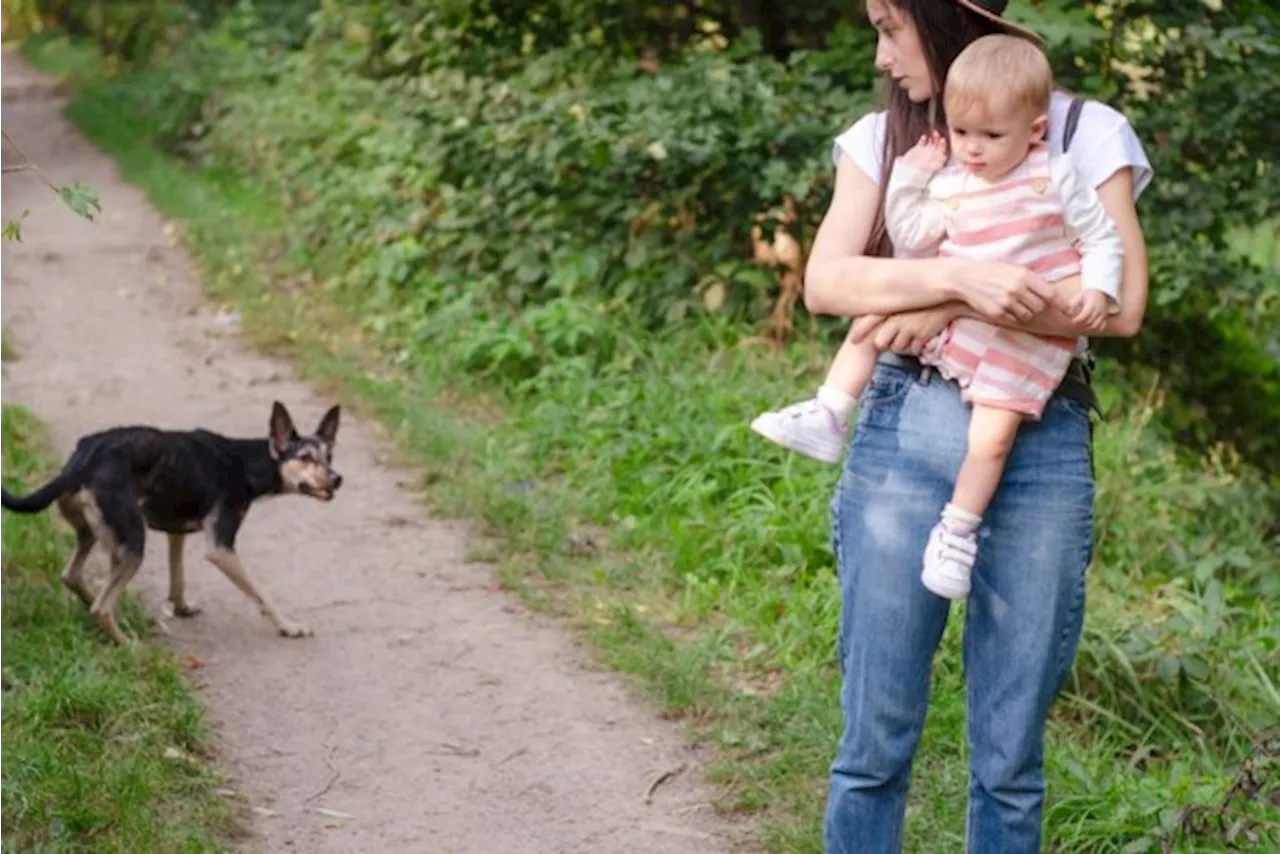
(999, 292)
(906, 332)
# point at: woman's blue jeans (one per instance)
(1023, 616)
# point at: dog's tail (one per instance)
(41, 498)
(65, 480)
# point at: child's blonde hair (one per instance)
(997, 73)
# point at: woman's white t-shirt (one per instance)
(1104, 142)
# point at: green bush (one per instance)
(445, 182)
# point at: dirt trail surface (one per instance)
(440, 715)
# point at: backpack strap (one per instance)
(1078, 383)
(1073, 119)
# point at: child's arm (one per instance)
(914, 221)
(1098, 239)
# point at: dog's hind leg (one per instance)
(177, 579)
(221, 534)
(74, 512)
(124, 565)
(122, 527)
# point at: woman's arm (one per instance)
(1116, 194)
(841, 280)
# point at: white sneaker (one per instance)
(808, 427)
(948, 562)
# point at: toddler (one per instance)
(1002, 197)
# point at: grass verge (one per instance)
(631, 501)
(7, 353)
(105, 748)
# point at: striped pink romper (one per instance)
(1019, 220)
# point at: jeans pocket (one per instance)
(888, 383)
(1074, 409)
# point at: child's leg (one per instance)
(953, 547)
(848, 376)
(991, 435)
(817, 427)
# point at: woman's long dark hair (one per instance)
(945, 29)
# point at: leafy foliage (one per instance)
(621, 149)
(1201, 82)
(511, 187)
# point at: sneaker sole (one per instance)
(810, 450)
(947, 588)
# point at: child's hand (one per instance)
(929, 154)
(1089, 309)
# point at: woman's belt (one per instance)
(1076, 384)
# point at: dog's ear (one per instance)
(328, 429)
(282, 431)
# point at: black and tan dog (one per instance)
(119, 482)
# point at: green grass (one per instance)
(105, 749)
(7, 353)
(630, 500)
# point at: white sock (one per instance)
(839, 402)
(960, 521)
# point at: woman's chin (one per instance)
(918, 95)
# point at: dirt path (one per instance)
(454, 720)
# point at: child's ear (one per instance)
(1039, 128)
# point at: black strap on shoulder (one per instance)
(1078, 381)
(1073, 119)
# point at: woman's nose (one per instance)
(884, 61)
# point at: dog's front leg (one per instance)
(232, 568)
(222, 555)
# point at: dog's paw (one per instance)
(295, 630)
(108, 624)
(186, 610)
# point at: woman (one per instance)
(1025, 610)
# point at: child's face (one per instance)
(988, 141)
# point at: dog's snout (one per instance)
(336, 480)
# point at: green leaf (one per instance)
(1195, 668)
(13, 228)
(1167, 667)
(81, 198)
